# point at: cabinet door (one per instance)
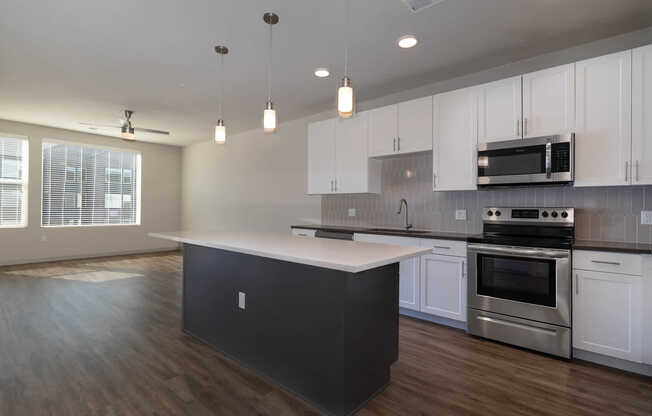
(321, 156)
(408, 296)
(549, 101)
(455, 141)
(443, 286)
(603, 132)
(607, 314)
(383, 130)
(641, 115)
(351, 154)
(499, 110)
(415, 125)
(647, 311)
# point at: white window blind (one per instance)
(13, 182)
(84, 185)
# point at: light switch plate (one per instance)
(646, 217)
(460, 214)
(241, 300)
(351, 212)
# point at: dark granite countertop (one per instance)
(621, 247)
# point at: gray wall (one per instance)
(609, 214)
(160, 204)
(254, 182)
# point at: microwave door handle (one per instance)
(548, 159)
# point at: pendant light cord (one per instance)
(221, 90)
(269, 67)
(346, 39)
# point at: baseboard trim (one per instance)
(432, 318)
(638, 368)
(89, 256)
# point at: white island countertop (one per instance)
(348, 256)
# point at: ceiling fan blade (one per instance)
(100, 125)
(151, 131)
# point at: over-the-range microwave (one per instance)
(532, 161)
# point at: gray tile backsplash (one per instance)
(607, 214)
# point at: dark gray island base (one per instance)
(329, 336)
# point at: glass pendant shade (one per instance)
(345, 99)
(220, 132)
(269, 118)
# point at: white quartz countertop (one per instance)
(348, 256)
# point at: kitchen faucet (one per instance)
(400, 207)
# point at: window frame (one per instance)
(139, 160)
(24, 181)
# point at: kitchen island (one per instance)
(317, 316)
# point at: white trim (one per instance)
(24, 181)
(89, 256)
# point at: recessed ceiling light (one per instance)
(322, 73)
(407, 41)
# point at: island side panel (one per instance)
(293, 327)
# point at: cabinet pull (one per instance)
(335, 185)
(442, 247)
(399, 144)
(612, 263)
(303, 235)
(332, 186)
(577, 285)
(637, 171)
(524, 126)
(518, 127)
(394, 143)
(626, 170)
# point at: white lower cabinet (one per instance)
(607, 313)
(303, 232)
(443, 286)
(408, 296)
(647, 311)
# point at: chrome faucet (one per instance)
(400, 207)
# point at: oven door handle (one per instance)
(520, 251)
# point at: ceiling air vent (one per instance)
(418, 5)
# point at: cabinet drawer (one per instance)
(303, 232)
(602, 261)
(445, 247)
(386, 239)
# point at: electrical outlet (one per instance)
(241, 300)
(460, 214)
(646, 217)
(351, 212)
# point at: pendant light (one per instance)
(345, 96)
(270, 121)
(220, 128)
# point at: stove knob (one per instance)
(498, 213)
(564, 214)
(544, 214)
(490, 213)
(554, 214)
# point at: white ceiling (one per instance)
(70, 61)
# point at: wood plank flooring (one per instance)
(102, 337)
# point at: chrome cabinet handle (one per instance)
(637, 171)
(442, 247)
(524, 126)
(626, 171)
(518, 127)
(335, 185)
(577, 285)
(303, 235)
(612, 263)
(399, 144)
(394, 143)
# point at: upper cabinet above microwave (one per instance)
(536, 104)
(401, 128)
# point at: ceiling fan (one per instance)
(126, 129)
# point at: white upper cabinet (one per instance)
(338, 158)
(455, 140)
(549, 101)
(402, 128)
(383, 128)
(603, 128)
(642, 116)
(321, 157)
(415, 125)
(499, 110)
(351, 156)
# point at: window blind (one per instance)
(84, 185)
(13, 182)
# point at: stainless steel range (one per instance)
(519, 286)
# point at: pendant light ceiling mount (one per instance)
(222, 50)
(270, 18)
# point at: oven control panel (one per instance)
(547, 215)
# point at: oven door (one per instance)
(536, 160)
(529, 283)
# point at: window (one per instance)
(13, 182)
(85, 186)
